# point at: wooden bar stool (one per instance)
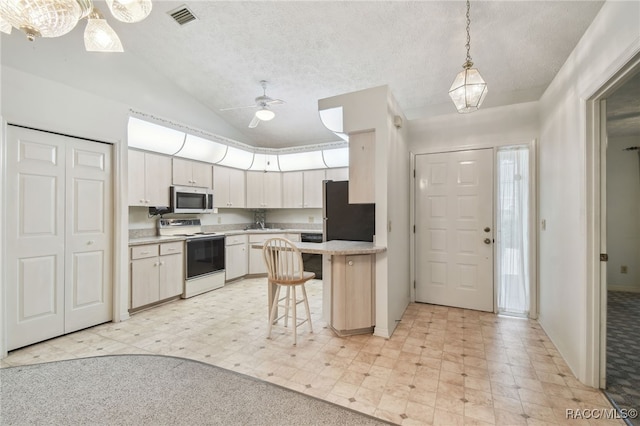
(286, 269)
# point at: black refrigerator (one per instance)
(344, 221)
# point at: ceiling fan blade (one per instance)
(275, 102)
(240, 107)
(254, 122)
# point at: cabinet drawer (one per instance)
(171, 248)
(261, 238)
(141, 252)
(232, 240)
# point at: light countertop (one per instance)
(336, 247)
(166, 239)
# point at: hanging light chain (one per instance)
(468, 45)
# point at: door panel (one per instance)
(88, 253)
(35, 237)
(454, 203)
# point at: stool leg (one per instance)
(306, 306)
(286, 308)
(274, 309)
(295, 317)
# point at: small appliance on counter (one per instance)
(204, 255)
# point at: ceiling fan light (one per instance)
(99, 36)
(130, 11)
(468, 90)
(265, 114)
(44, 18)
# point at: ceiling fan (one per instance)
(264, 113)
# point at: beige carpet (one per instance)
(155, 390)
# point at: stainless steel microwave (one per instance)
(191, 199)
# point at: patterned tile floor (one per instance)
(623, 348)
(442, 366)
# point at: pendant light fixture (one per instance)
(469, 88)
(55, 18)
(99, 36)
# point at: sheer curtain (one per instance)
(513, 230)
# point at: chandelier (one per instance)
(55, 18)
(468, 89)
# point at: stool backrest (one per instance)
(283, 260)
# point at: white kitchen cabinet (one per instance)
(157, 273)
(229, 187)
(264, 190)
(302, 189)
(256, 262)
(237, 256)
(339, 174)
(192, 173)
(362, 156)
(149, 179)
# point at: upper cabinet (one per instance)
(228, 187)
(149, 179)
(192, 173)
(264, 190)
(302, 189)
(362, 156)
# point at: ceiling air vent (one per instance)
(182, 15)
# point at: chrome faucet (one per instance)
(259, 224)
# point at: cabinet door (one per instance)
(236, 188)
(136, 173)
(157, 179)
(171, 276)
(237, 261)
(220, 186)
(256, 262)
(361, 167)
(201, 174)
(255, 190)
(292, 190)
(272, 190)
(313, 188)
(145, 284)
(181, 172)
(359, 291)
(338, 174)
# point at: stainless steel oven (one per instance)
(205, 264)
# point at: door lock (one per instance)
(487, 241)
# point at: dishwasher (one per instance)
(312, 262)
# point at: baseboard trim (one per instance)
(635, 289)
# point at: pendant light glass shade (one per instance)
(265, 114)
(468, 89)
(130, 11)
(5, 26)
(99, 36)
(44, 18)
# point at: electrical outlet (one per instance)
(624, 269)
(311, 219)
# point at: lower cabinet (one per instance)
(157, 273)
(352, 294)
(256, 262)
(237, 257)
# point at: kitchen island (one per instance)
(348, 283)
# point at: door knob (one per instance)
(487, 229)
(487, 241)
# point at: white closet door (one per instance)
(454, 239)
(88, 282)
(49, 279)
(35, 236)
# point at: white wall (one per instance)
(564, 297)
(623, 214)
(373, 109)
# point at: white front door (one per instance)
(454, 229)
(59, 260)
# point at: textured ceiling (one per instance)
(310, 50)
